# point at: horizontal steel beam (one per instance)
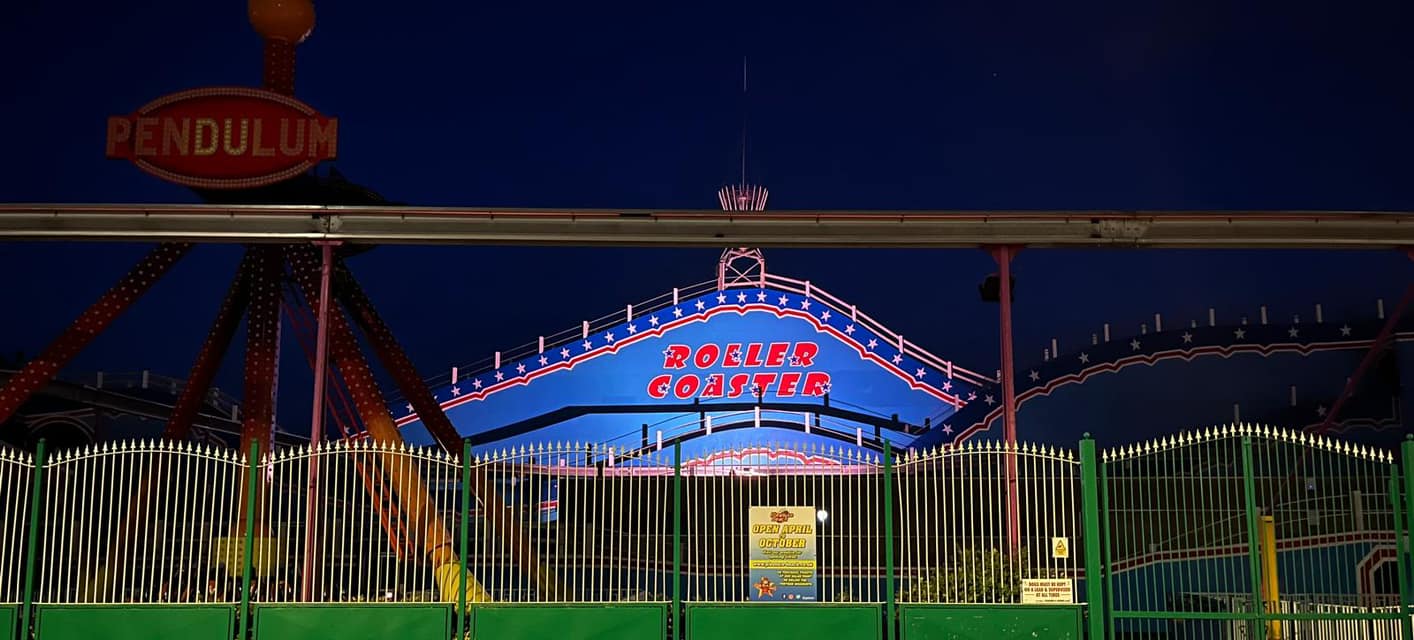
(839, 229)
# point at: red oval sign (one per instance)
(224, 138)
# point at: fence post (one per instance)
(678, 615)
(1249, 493)
(1108, 543)
(1401, 560)
(32, 539)
(888, 512)
(464, 616)
(251, 490)
(1090, 523)
(1407, 455)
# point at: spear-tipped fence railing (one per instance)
(1227, 532)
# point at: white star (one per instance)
(741, 297)
(409, 407)
(947, 385)
(653, 320)
(1134, 344)
(1187, 338)
(825, 317)
(543, 360)
(1292, 332)
(500, 376)
(677, 312)
(565, 352)
(1345, 330)
(760, 296)
(1035, 375)
(783, 300)
(872, 343)
(989, 399)
(1321, 411)
(520, 368)
(456, 391)
(971, 395)
(755, 389)
(805, 304)
(632, 328)
(947, 428)
(700, 305)
(721, 297)
(898, 357)
(1084, 358)
(919, 373)
(849, 329)
(1240, 334)
(609, 337)
(476, 384)
(587, 345)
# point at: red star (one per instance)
(765, 588)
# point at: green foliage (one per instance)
(976, 576)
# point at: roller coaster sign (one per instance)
(224, 138)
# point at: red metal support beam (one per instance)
(1003, 254)
(1382, 342)
(41, 371)
(208, 360)
(262, 349)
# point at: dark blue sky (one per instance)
(1173, 105)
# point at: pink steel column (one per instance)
(316, 421)
(1003, 255)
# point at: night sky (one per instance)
(962, 105)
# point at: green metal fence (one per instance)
(1227, 533)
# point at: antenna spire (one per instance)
(742, 266)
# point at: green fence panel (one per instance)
(784, 622)
(990, 622)
(405, 621)
(569, 622)
(135, 622)
(9, 617)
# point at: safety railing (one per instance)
(16, 481)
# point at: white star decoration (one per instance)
(543, 360)
(1035, 375)
(632, 328)
(783, 300)
(609, 337)
(898, 357)
(741, 297)
(760, 296)
(663, 388)
(919, 373)
(825, 316)
(677, 312)
(565, 352)
(653, 320)
(456, 391)
(971, 395)
(1292, 332)
(1187, 338)
(1240, 334)
(476, 384)
(947, 428)
(849, 329)
(520, 368)
(409, 407)
(872, 343)
(1345, 330)
(1134, 344)
(805, 304)
(947, 385)
(700, 305)
(500, 376)
(989, 399)
(1084, 358)
(721, 297)
(587, 345)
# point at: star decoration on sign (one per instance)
(947, 428)
(1240, 334)
(765, 588)
(565, 352)
(700, 305)
(971, 395)
(543, 360)
(1134, 344)
(456, 391)
(409, 407)
(755, 389)
(824, 388)
(476, 384)
(872, 343)
(677, 312)
(653, 320)
(721, 297)
(1345, 330)
(609, 337)
(1084, 358)
(1187, 338)
(898, 357)
(760, 296)
(1293, 332)
(741, 297)
(849, 329)
(1035, 375)
(587, 345)
(520, 368)
(734, 356)
(805, 304)
(500, 376)
(919, 373)
(794, 361)
(783, 300)
(947, 385)
(825, 317)
(663, 388)
(632, 328)
(989, 399)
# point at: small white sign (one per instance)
(1047, 591)
(1060, 547)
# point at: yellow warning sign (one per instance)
(1060, 547)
